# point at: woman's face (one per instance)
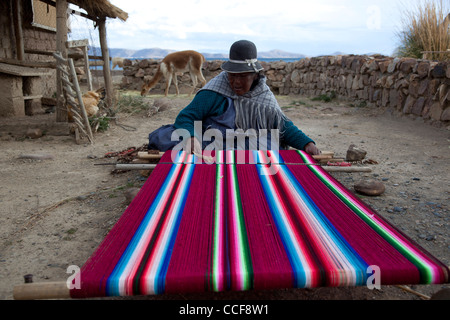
(241, 82)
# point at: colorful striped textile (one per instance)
(252, 220)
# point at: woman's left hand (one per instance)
(311, 149)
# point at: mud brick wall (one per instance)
(409, 86)
(11, 96)
(34, 38)
(40, 39)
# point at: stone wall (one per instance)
(410, 86)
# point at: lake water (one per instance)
(212, 59)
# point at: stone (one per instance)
(443, 294)
(436, 111)
(140, 73)
(355, 154)
(130, 194)
(423, 68)
(370, 187)
(296, 76)
(423, 87)
(34, 133)
(143, 64)
(389, 82)
(407, 65)
(385, 97)
(413, 88)
(127, 62)
(393, 98)
(418, 106)
(409, 103)
(384, 65)
(392, 66)
(443, 92)
(439, 70)
(446, 115)
(373, 66)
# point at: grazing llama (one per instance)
(178, 62)
(117, 62)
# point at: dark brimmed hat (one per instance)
(243, 58)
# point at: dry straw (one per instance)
(425, 30)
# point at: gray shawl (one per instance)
(257, 109)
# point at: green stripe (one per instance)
(425, 271)
(216, 249)
(245, 257)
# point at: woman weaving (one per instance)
(236, 102)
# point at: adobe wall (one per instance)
(409, 86)
(34, 38)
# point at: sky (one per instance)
(312, 28)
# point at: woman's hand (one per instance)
(194, 146)
(311, 149)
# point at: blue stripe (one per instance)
(296, 264)
(351, 255)
(112, 284)
(161, 273)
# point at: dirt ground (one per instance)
(55, 211)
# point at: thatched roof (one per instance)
(101, 9)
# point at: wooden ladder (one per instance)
(73, 97)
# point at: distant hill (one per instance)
(276, 54)
(157, 53)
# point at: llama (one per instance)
(117, 62)
(178, 62)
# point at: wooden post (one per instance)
(12, 34)
(106, 67)
(61, 38)
(18, 32)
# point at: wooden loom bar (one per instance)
(325, 156)
(43, 290)
(140, 166)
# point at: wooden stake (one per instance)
(145, 155)
(44, 290)
(346, 169)
(408, 289)
(61, 38)
(126, 166)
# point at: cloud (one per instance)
(285, 24)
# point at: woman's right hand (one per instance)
(194, 146)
